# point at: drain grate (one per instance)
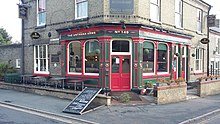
(7, 101)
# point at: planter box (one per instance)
(210, 87)
(171, 93)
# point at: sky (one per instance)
(9, 17)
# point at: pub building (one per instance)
(123, 57)
(78, 41)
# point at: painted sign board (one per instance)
(82, 100)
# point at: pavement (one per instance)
(190, 111)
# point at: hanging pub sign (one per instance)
(211, 20)
(22, 11)
(121, 6)
(204, 40)
(35, 35)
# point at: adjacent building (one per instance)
(118, 45)
(214, 51)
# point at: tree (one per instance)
(5, 38)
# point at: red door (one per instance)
(120, 78)
(183, 67)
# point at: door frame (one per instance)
(121, 54)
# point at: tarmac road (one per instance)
(10, 116)
(121, 114)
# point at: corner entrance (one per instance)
(120, 78)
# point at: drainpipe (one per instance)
(208, 43)
(22, 44)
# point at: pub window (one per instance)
(41, 59)
(41, 12)
(148, 57)
(162, 58)
(92, 52)
(81, 9)
(120, 46)
(75, 61)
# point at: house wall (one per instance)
(9, 54)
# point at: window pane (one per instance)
(115, 65)
(44, 51)
(125, 65)
(120, 46)
(36, 65)
(162, 58)
(82, 9)
(92, 52)
(41, 5)
(154, 12)
(41, 63)
(36, 52)
(178, 20)
(75, 61)
(42, 18)
(148, 59)
(41, 51)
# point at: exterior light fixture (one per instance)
(123, 24)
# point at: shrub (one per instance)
(124, 98)
(6, 68)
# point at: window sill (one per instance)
(157, 22)
(41, 74)
(177, 27)
(80, 19)
(200, 33)
(40, 27)
(199, 73)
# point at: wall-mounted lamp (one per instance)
(193, 55)
(77, 27)
(49, 34)
(86, 26)
(123, 24)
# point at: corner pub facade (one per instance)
(117, 45)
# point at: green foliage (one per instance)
(4, 37)
(124, 98)
(6, 68)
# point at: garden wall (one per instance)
(210, 87)
(171, 93)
